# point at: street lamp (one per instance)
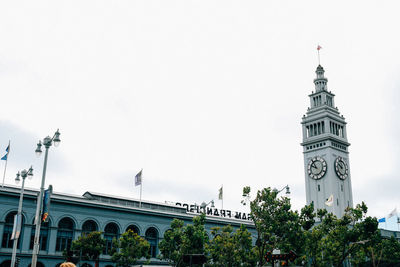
(285, 187)
(47, 142)
(18, 221)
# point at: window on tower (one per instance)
(315, 129)
(329, 101)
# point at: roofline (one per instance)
(80, 200)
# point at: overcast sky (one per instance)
(198, 94)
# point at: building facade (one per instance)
(325, 149)
(72, 215)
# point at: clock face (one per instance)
(317, 168)
(341, 168)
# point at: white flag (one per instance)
(329, 201)
(221, 193)
(138, 178)
(394, 212)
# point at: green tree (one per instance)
(129, 248)
(353, 237)
(381, 251)
(195, 236)
(88, 246)
(181, 240)
(231, 249)
(170, 246)
(390, 250)
(277, 226)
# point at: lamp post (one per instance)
(47, 142)
(18, 221)
(204, 204)
(285, 187)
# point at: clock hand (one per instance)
(313, 166)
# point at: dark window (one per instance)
(65, 234)
(110, 232)
(5, 263)
(341, 187)
(44, 234)
(319, 188)
(337, 201)
(152, 238)
(89, 226)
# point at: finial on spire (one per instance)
(319, 48)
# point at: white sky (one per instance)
(197, 93)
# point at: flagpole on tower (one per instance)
(319, 48)
(5, 157)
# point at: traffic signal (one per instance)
(268, 257)
(17, 260)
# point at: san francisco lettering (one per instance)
(215, 212)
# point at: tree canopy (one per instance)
(88, 246)
(129, 248)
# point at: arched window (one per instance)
(134, 228)
(7, 232)
(89, 226)
(44, 234)
(65, 234)
(152, 238)
(111, 231)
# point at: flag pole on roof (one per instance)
(221, 195)
(5, 157)
(138, 181)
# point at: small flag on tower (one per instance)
(138, 178)
(319, 47)
(329, 201)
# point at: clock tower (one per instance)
(325, 149)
